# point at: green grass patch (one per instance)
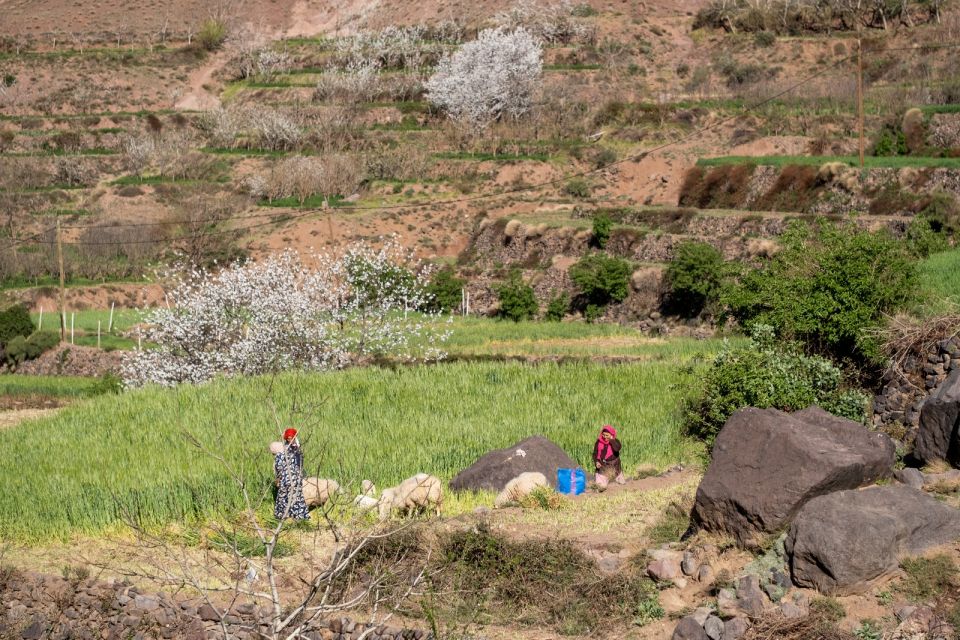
(20, 282)
(928, 578)
(930, 109)
(124, 181)
(55, 386)
(86, 321)
(940, 283)
(79, 471)
(870, 162)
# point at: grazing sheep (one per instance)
(420, 492)
(317, 491)
(365, 501)
(520, 487)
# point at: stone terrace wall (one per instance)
(35, 607)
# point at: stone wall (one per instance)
(35, 606)
(905, 391)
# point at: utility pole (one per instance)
(63, 297)
(860, 95)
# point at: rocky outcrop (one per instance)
(840, 542)
(920, 375)
(938, 437)
(493, 470)
(767, 464)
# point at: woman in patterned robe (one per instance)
(288, 471)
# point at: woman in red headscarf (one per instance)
(606, 458)
(288, 470)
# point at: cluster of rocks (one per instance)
(904, 393)
(72, 360)
(36, 606)
(809, 473)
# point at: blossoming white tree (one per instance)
(278, 314)
(488, 79)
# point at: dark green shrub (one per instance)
(827, 287)
(601, 229)
(578, 188)
(604, 158)
(16, 350)
(764, 39)
(769, 373)
(41, 341)
(583, 10)
(890, 142)
(212, 34)
(922, 240)
(943, 212)
(15, 321)
(601, 279)
(445, 290)
(517, 301)
(693, 278)
(106, 384)
(557, 307)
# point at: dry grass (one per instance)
(905, 336)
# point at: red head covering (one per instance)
(604, 450)
(289, 434)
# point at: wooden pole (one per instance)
(860, 96)
(63, 295)
(98, 334)
(40, 328)
(110, 321)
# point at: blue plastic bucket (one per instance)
(571, 481)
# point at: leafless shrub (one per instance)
(358, 82)
(407, 163)
(274, 129)
(72, 171)
(335, 129)
(549, 21)
(222, 127)
(305, 176)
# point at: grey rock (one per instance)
(705, 574)
(938, 437)
(609, 564)
(208, 613)
(791, 610)
(726, 602)
(663, 570)
(735, 628)
(714, 628)
(34, 632)
(904, 612)
(680, 583)
(767, 464)
(495, 469)
(145, 603)
(689, 565)
(689, 629)
(910, 477)
(750, 597)
(700, 614)
(840, 542)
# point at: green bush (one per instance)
(15, 321)
(943, 212)
(768, 373)
(517, 301)
(827, 287)
(578, 188)
(693, 278)
(601, 279)
(890, 142)
(764, 39)
(20, 348)
(212, 34)
(16, 350)
(923, 240)
(445, 290)
(601, 229)
(557, 307)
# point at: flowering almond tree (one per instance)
(488, 79)
(278, 314)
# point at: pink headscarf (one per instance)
(603, 448)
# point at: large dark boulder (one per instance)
(494, 470)
(939, 437)
(840, 542)
(767, 464)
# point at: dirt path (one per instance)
(198, 97)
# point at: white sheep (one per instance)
(521, 486)
(276, 448)
(317, 491)
(420, 492)
(366, 500)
